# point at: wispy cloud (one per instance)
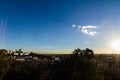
(46, 35)
(87, 42)
(3, 25)
(73, 25)
(88, 30)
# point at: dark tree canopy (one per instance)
(86, 52)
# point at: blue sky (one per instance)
(46, 25)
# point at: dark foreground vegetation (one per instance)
(80, 65)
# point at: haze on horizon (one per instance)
(59, 26)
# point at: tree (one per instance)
(4, 63)
(83, 65)
(76, 51)
(87, 52)
(3, 54)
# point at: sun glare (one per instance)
(116, 44)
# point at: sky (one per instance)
(59, 26)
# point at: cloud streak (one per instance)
(88, 30)
(3, 26)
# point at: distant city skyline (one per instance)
(60, 26)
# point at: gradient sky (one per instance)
(46, 25)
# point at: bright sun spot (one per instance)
(116, 44)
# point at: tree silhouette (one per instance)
(80, 65)
(4, 63)
(86, 52)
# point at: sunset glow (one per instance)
(116, 44)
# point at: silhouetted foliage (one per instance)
(80, 65)
(4, 63)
